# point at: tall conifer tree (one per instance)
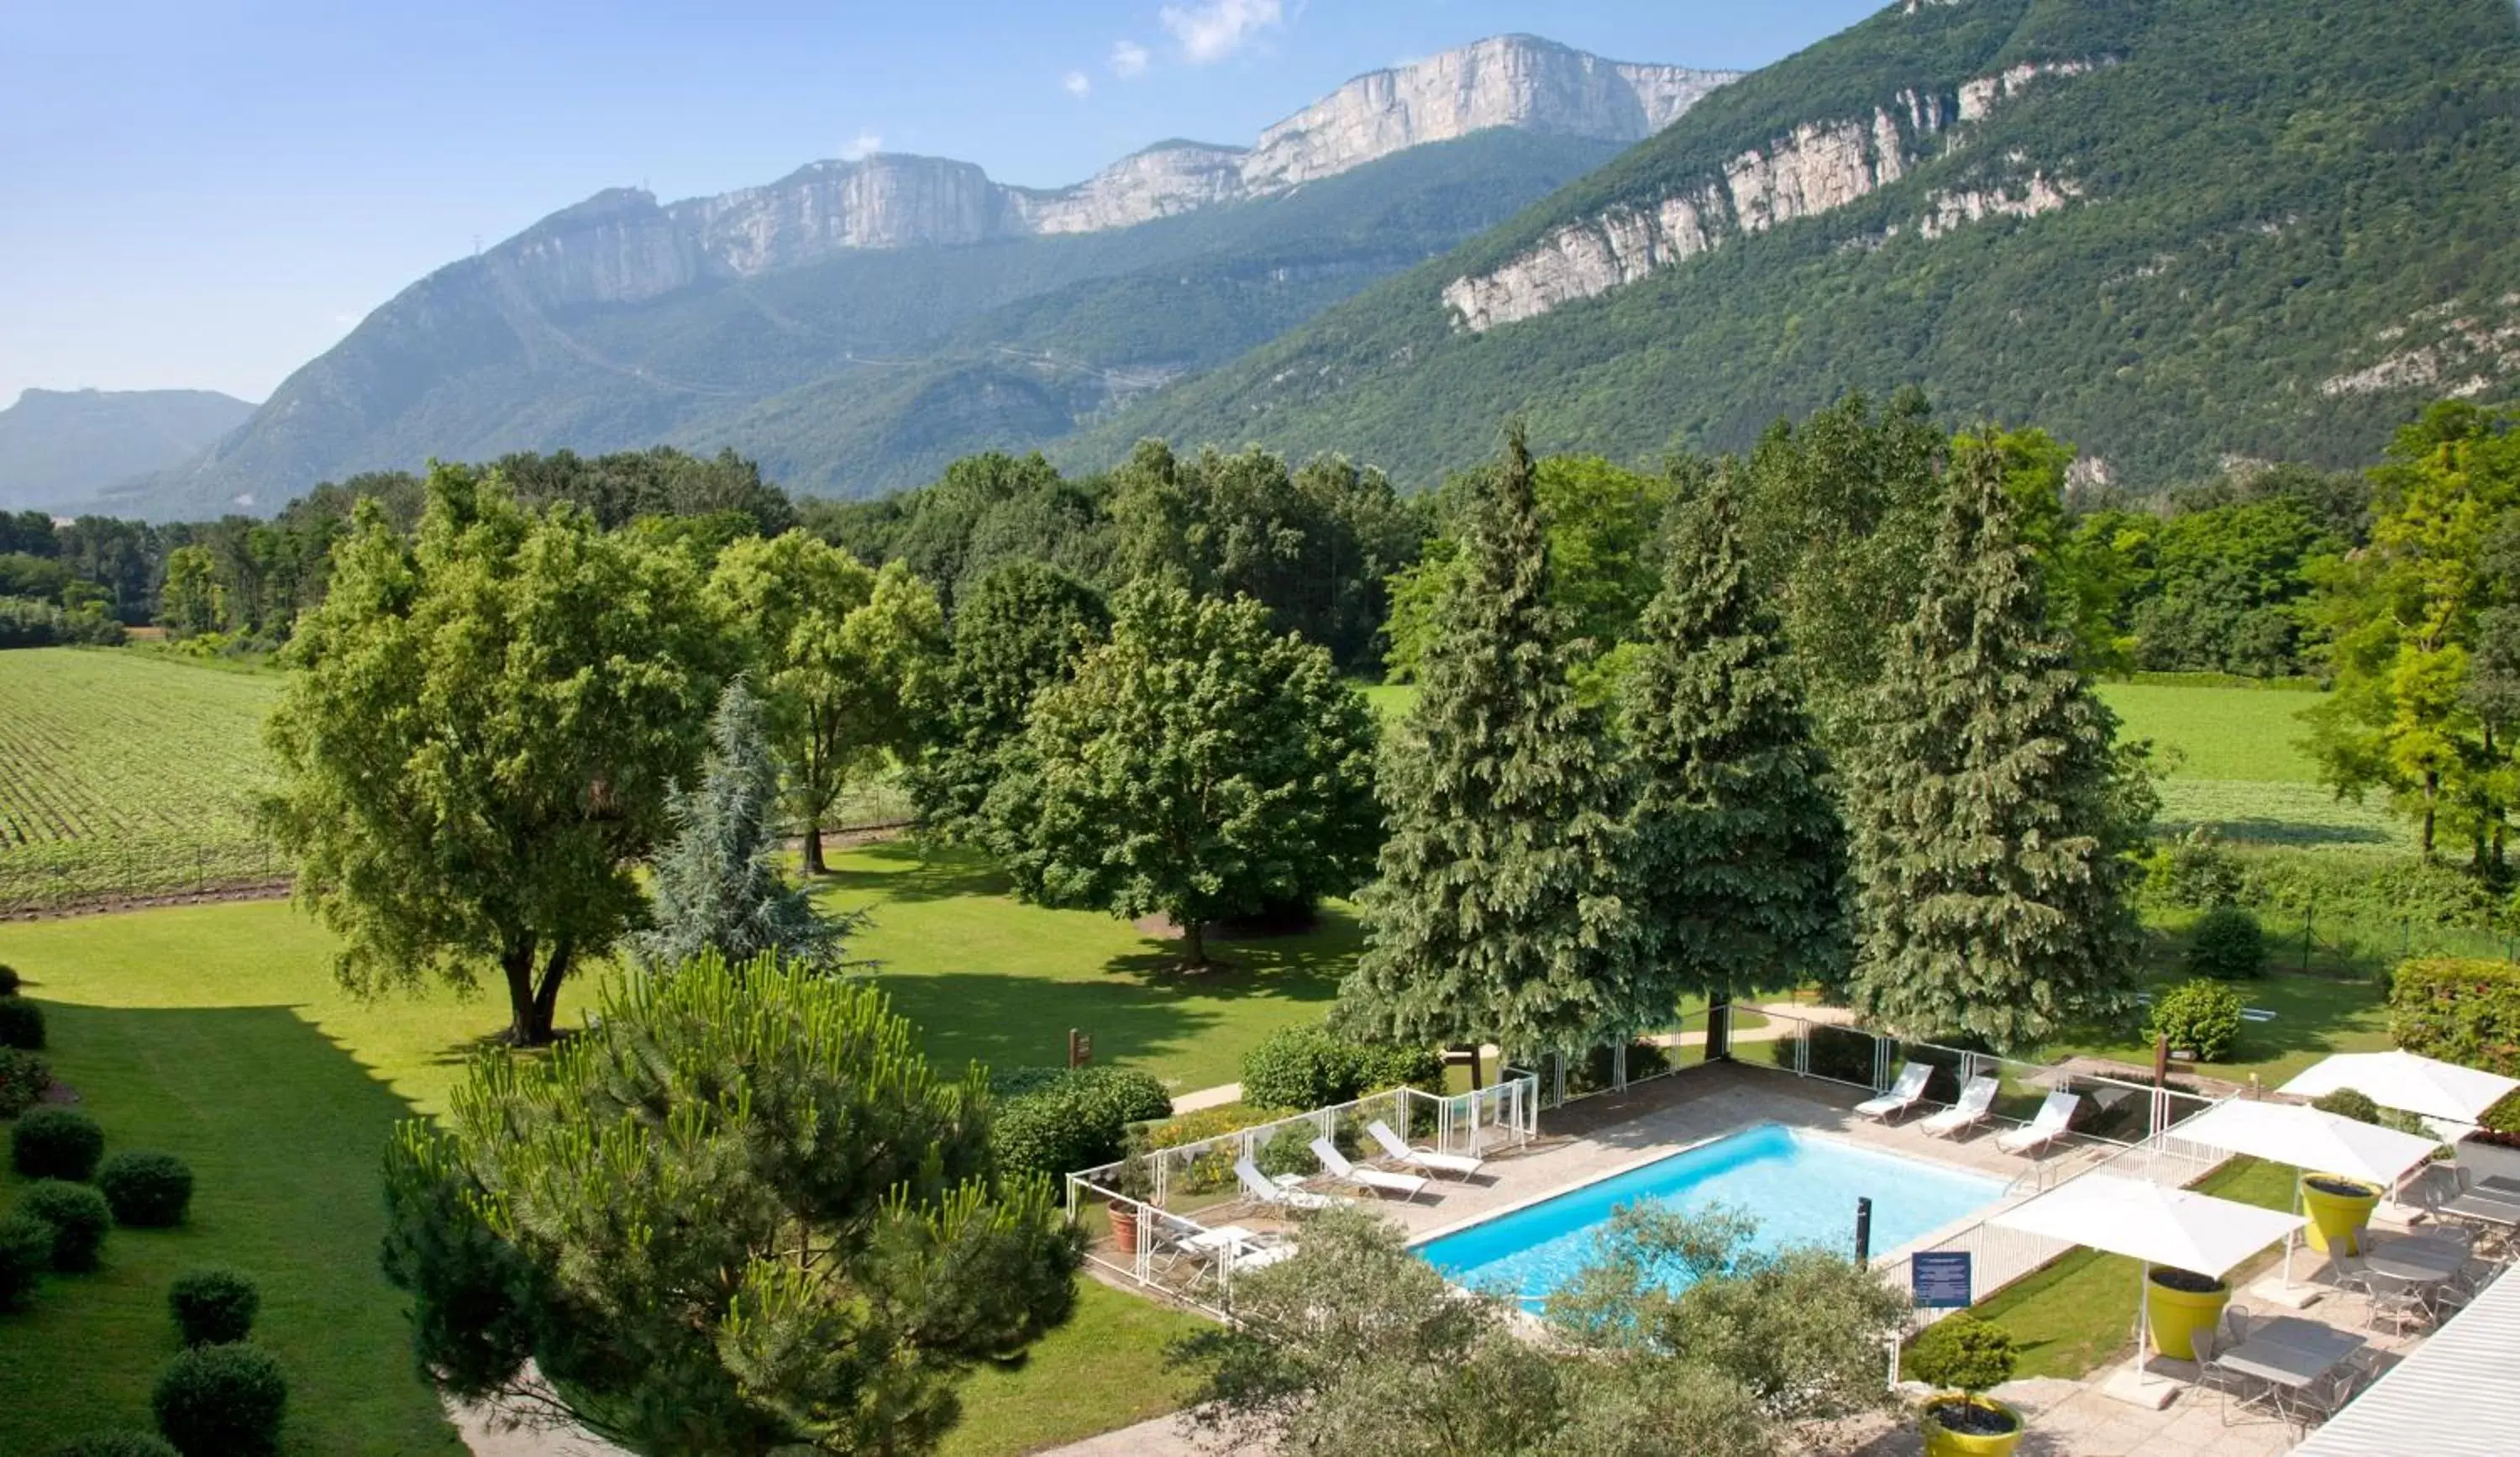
(716, 887)
(1988, 817)
(1739, 855)
(1501, 910)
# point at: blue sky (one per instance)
(207, 194)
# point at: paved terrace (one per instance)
(1605, 1134)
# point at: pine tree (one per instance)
(1739, 855)
(1989, 824)
(1501, 910)
(715, 885)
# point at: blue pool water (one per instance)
(1801, 1189)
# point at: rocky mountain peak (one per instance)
(620, 247)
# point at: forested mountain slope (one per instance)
(2168, 230)
(857, 324)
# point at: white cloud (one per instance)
(1214, 30)
(1129, 59)
(863, 145)
(1075, 84)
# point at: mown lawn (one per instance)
(217, 1033)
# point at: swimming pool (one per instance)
(1801, 1188)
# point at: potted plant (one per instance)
(1963, 1356)
(2183, 1302)
(1133, 1179)
(2338, 1208)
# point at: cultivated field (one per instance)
(126, 773)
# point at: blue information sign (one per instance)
(1941, 1278)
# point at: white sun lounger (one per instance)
(1903, 1094)
(1398, 1151)
(1336, 1165)
(1281, 1190)
(2045, 1129)
(1968, 1112)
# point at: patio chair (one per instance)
(1903, 1094)
(2228, 1333)
(2047, 1128)
(1397, 1150)
(1279, 1191)
(1966, 1113)
(1336, 1165)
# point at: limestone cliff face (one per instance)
(1512, 80)
(621, 246)
(1819, 168)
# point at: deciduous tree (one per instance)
(839, 650)
(1198, 764)
(1990, 827)
(1021, 627)
(739, 1215)
(476, 750)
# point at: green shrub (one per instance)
(2461, 1011)
(9, 981)
(2503, 1118)
(1005, 1084)
(1071, 1121)
(221, 1401)
(78, 1216)
(1304, 1067)
(2199, 1016)
(56, 1143)
(1961, 1352)
(116, 1444)
(23, 1081)
(1133, 1095)
(147, 1191)
(213, 1306)
(2195, 872)
(2228, 944)
(1290, 1150)
(25, 1252)
(1300, 1067)
(21, 1025)
(2348, 1102)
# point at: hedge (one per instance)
(221, 1401)
(2461, 1011)
(23, 1080)
(77, 1217)
(1071, 1121)
(56, 1143)
(213, 1306)
(26, 1254)
(22, 1023)
(1307, 1066)
(145, 1190)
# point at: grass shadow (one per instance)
(284, 1130)
(911, 870)
(2299, 834)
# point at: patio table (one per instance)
(2293, 1357)
(2416, 1264)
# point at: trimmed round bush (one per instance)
(21, 1025)
(10, 981)
(25, 1252)
(214, 1306)
(2199, 1016)
(1961, 1352)
(2349, 1103)
(116, 1444)
(145, 1190)
(56, 1143)
(24, 1076)
(1134, 1097)
(80, 1220)
(2228, 944)
(221, 1401)
(1056, 1131)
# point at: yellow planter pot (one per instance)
(2336, 1220)
(2178, 1314)
(1940, 1442)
